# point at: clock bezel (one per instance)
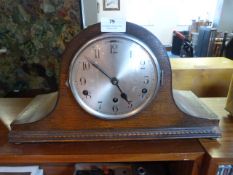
(135, 111)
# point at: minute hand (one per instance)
(97, 67)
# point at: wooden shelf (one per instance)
(220, 151)
(117, 151)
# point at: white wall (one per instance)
(161, 17)
(224, 22)
(89, 12)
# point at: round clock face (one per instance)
(114, 76)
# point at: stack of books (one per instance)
(225, 170)
(21, 170)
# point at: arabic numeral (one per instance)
(97, 53)
(82, 81)
(113, 48)
(115, 108)
(86, 66)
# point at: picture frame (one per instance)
(111, 5)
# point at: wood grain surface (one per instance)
(206, 77)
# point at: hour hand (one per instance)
(124, 96)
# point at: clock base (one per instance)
(113, 134)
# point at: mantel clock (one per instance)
(115, 86)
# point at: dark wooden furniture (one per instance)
(191, 156)
(59, 158)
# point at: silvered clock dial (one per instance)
(114, 76)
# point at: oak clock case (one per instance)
(138, 114)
